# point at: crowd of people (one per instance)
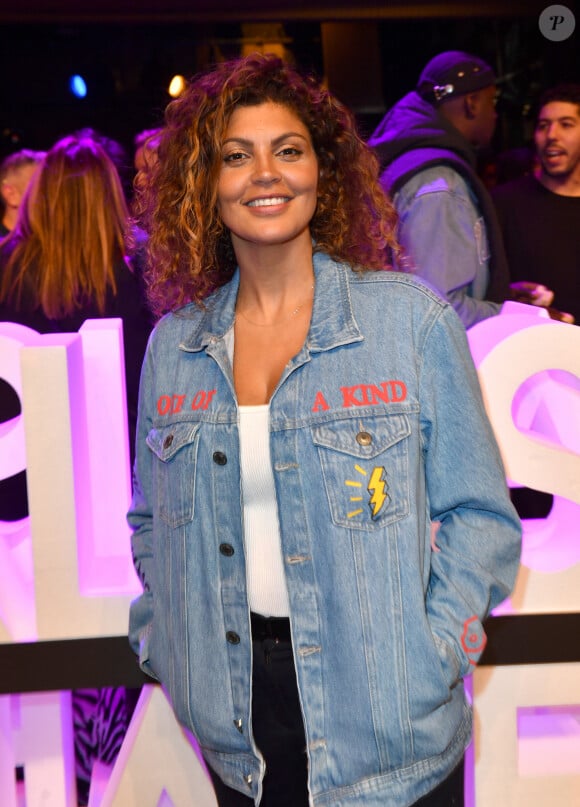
(317, 548)
(474, 246)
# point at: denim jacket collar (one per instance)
(333, 322)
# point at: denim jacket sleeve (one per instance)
(474, 563)
(441, 230)
(140, 518)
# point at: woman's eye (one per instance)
(289, 151)
(234, 156)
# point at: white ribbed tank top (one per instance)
(264, 561)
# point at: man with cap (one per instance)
(427, 146)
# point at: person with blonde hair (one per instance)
(70, 237)
(66, 260)
(306, 416)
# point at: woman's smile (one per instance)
(268, 201)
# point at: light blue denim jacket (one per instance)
(377, 431)
(441, 228)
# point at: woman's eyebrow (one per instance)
(243, 141)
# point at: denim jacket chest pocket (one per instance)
(175, 449)
(365, 467)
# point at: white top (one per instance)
(264, 561)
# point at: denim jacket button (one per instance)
(232, 637)
(248, 779)
(364, 439)
(227, 550)
(219, 458)
(168, 440)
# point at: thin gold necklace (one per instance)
(278, 322)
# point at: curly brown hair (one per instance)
(189, 249)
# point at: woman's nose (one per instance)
(265, 169)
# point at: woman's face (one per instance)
(267, 187)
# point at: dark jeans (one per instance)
(279, 734)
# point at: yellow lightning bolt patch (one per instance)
(377, 489)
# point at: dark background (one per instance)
(370, 53)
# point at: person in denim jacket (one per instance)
(307, 418)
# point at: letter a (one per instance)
(320, 403)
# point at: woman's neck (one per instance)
(274, 280)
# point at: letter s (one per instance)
(529, 368)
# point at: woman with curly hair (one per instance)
(302, 422)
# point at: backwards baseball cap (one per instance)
(453, 73)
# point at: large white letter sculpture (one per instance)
(527, 727)
(66, 570)
(77, 463)
(529, 370)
